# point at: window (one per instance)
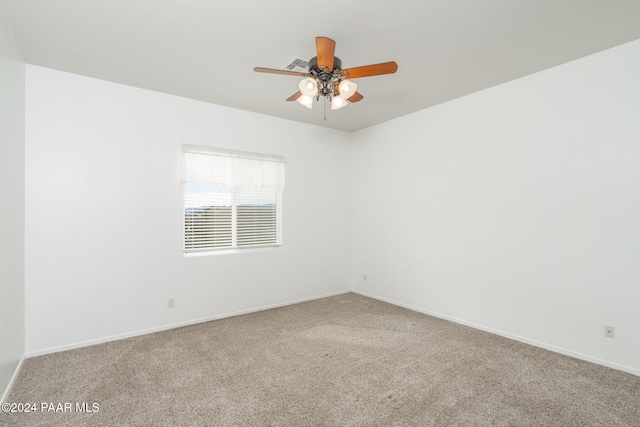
(232, 199)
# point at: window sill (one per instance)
(233, 251)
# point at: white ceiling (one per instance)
(207, 49)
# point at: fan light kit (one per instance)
(327, 78)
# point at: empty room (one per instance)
(369, 213)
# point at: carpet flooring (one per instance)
(347, 360)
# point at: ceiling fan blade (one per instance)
(355, 97)
(295, 96)
(285, 72)
(325, 50)
(372, 70)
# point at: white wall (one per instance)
(12, 171)
(103, 212)
(515, 209)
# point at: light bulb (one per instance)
(347, 89)
(308, 87)
(337, 103)
(305, 100)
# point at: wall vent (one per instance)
(298, 64)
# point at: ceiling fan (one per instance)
(327, 78)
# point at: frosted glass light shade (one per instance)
(347, 89)
(308, 87)
(305, 100)
(337, 103)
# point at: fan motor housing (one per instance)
(323, 75)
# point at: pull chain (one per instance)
(325, 108)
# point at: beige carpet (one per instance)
(341, 361)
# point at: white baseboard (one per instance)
(176, 325)
(14, 377)
(546, 346)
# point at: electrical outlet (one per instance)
(364, 277)
(609, 331)
(171, 303)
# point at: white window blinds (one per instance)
(232, 199)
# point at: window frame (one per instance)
(265, 175)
